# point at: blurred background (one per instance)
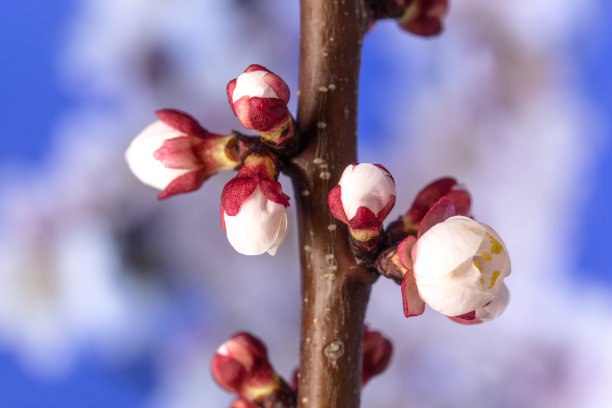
(111, 298)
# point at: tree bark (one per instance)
(334, 298)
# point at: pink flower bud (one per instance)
(376, 355)
(176, 155)
(459, 268)
(253, 209)
(424, 17)
(362, 199)
(241, 366)
(259, 99)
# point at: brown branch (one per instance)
(334, 295)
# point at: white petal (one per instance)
(497, 306)
(456, 295)
(282, 234)
(259, 226)
(365, 185)
(445, 246)
(139, 156)
(252, 84)
(502, 263)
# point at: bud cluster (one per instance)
(439, 255)
(176, 155)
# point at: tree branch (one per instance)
(334, 298)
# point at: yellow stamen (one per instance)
(494, 278)
(486, 256)
(496, 246)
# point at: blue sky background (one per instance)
(32, 99)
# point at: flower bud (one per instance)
(424, 17)
(259, 100)
(459, 266)
(362, 199)
(241, 366)
(176, 155)
(253, 209)
(376, 355)
(429, 196)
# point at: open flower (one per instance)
(253, 208)
(259, 100)
(459, 268)
(362, 199)
(176, 154)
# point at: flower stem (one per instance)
(334, 297)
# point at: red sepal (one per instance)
(426, 20)
(229, 373)
(404, 250)
(439, 212)
(231, 85)
(425, 26)
(256, 67)
(181, 121)
(334, 201)
(462, 201)
(273, 191)
(364, 219)
(184, 184)
(235, 192)
(428, 196)
(468, 318)
(278, 85)
(179, 153)
(412, 302)
(261, 114)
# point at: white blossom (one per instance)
(459, 266)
